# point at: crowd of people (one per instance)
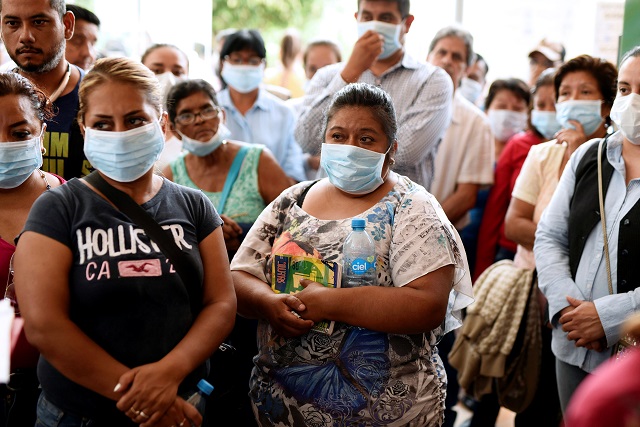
(142, 215)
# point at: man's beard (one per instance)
(50, 62)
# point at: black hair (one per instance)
(15, 84)
(241, 40)
(545, 78)
(515, 86)
(181, 90)
(368, 96)
(457, 32)
(57, 5)
(602, 70)
(403, 6)
(83, 14)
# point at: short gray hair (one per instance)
(460, 33)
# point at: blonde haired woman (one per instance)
(120, 341)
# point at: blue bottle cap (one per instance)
(358, 223)
(205, 387)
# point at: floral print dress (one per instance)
(355, 376)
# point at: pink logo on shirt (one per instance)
(140, 268)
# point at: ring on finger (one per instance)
(182, 423)
(143, 415)
(134, 410)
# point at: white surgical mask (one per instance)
(506, 123)
(390, 33)
(587, 112)
(470, 89)
(202, 149)
(124, 156)
(167, 80)
(243, 78)
(18, 160)
(626, 114)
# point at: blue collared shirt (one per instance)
(422, 95)
(551, 250)
(269, 122)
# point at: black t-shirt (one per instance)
(124, 293)
(63, 141)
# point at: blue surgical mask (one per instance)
(243, 78)
(202, 149)
(353, 170)
(18, 160)
(587, 112)
(390, 32)
(545, 122)
(124, 156)
(470, 89)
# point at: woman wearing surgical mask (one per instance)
(241, 180)
(585, 250)
(380, 364)
(507, 106)
(24, 107)
(494, 244)
(121, 340)
(253, 114)
(211, 162)
(171, 66)
(585, 90)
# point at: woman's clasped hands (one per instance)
(292, 315)
(149, 397)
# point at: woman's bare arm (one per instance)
(518, 223)
(417, 307)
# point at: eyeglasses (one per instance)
(254, 61)
(10, 290)
(206, 114)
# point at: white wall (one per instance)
(136, 24)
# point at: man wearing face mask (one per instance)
(463, 164)
(253, 114)
(421, 93)
(35, 34)
(472, 84)
(465, 157)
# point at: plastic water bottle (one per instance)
(359, 257)
(199, 398)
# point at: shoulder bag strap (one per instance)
(183, 265)
(231, 177)
(603, 219)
